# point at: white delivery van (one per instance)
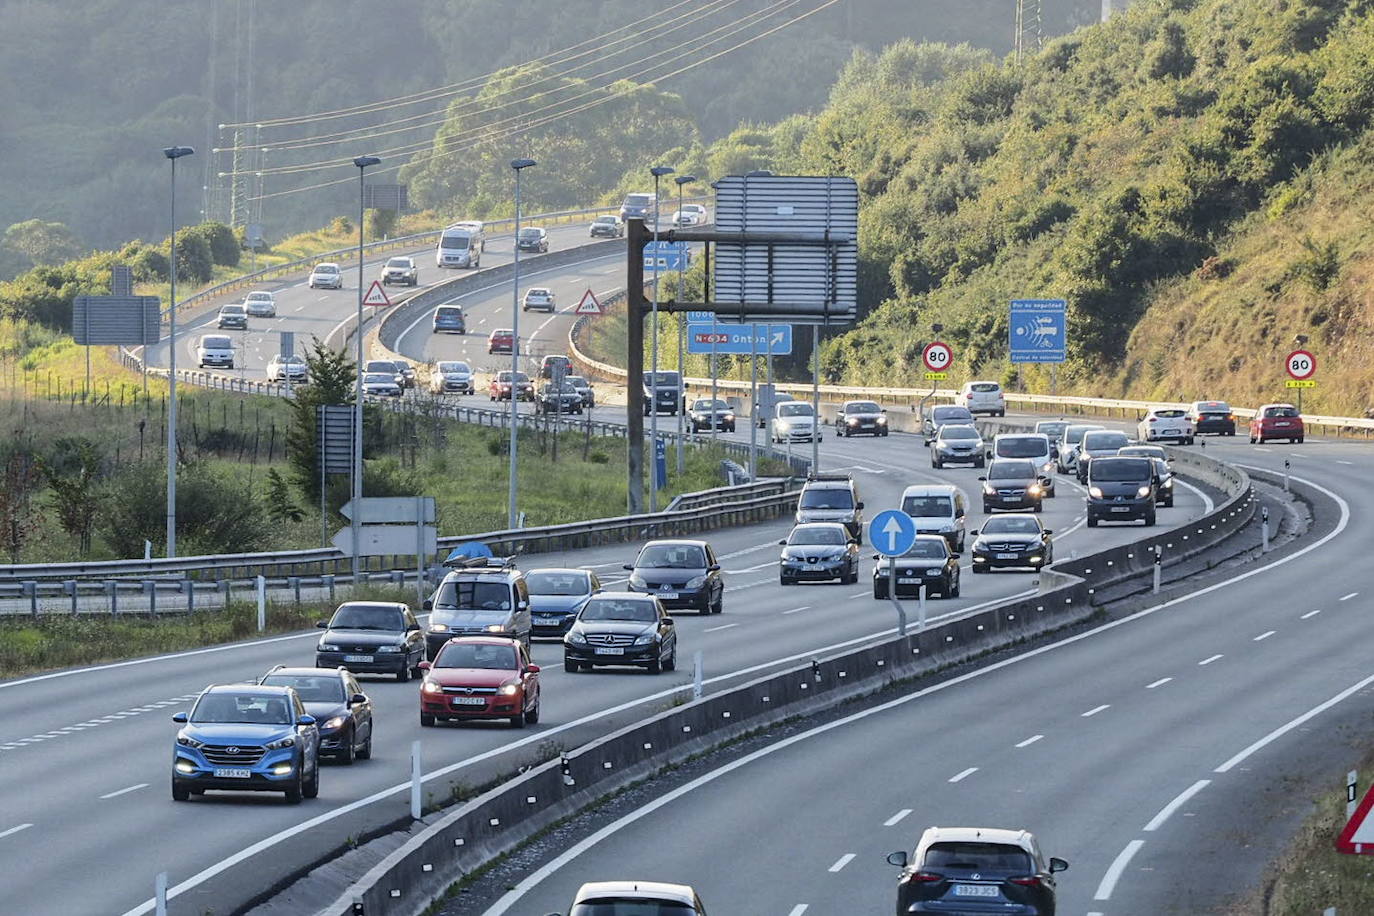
(460, 245)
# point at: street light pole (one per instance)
(173, 153)
(511, 518)
(658, 172)
(682, 181)
(362, 162)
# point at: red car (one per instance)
(502, 340)
(499, 389)
(1276, 421)
(480, 677)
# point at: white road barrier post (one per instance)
(921, 607)
(892, 594)
(1159, 565)
(1264, 529)
(698, 675)
(1352, 784)
(160, 893)
(415, 808)
(1285, 475)
(262, 603)
(147, 551)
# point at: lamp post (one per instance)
(658, 172)
(682, 181)
(362, 162)
(519, 165)
(173, 153)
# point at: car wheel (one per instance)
(180, 792)
(403, 675)
(1188, 441)
(1150, 520)
(783, 580)
(962, 541)
(981, 462)
(1092, 522)
(1040, 507)
(312, 788)
(670, 663)
(720, 603)
(346, 755)
(426, 720)
(518, 720)
(365, 752)
(296, 792)
(655, 665)
(935, 464)
(987, 508)
(1252, 440)
(571, 666)
(978, 570)
(532, 715)
(953, 591)
(1169, 503)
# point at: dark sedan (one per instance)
(558, 399)
(817, 552)
(860, 418)
(375, 637)
(1012, 541)
(680, 574)
(342, 712)
(532, 238)
(584, 388)
(929, 564)
(1012, 483)
(556, 595)
(1214, 417)
(706, 413)
(621, 628)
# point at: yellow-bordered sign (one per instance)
(1301, 383)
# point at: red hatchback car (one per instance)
(480, 677)
(1276, 421)
(502, 340)
(500, 387)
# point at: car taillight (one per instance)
(924, 877)
(1027, 881)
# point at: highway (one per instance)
(86, 753)
(1157, 753)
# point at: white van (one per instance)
(215, 350)
(461, 245)
(937, 509)
(1036, 447)
(983, 397)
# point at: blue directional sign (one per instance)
(743, 339)
(667, 255)
(892, 532)
(1037, 330)
(698, 317)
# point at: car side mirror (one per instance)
(982, 478)
(628, 566)
(782, 543)
(412, 628)
(668, 622)
(1049, 531)
(424, 666)
(714, 567)
(322, 624)
(358, 698)
(883, 410)
(876, 556)
(533, 669)
(179, 717)
(859, 505)
(305, 720)
(427, 605)
(853, 542)
(897, 858)
(974, 531)
(1057, 864)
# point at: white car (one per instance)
(215, 350)
(794, 421)
(260, 304)
(1166, 423)
(690, 215)
(281, 368)
(451, 375)
(326, 276)
(650, 898)
(381, 384)
(983, 397)
(538, 297)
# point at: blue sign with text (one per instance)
(667, 255)
(1037, 330)
(743, 339)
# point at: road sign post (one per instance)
(1301, 366)
(892, 532)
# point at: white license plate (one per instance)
(233, 773)
(469, 701)
(669, 595)
(1121, 508)
(905, 581)
(1006, 556)
(609, 650)
(1171, 432)
(976, 890)
(357, 658)
(1280, 422)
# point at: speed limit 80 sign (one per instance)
(1301, 364)
(937, 356)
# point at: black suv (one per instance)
(976, 870)
(666, 395)
(1121, 490)
(376, 637)
(680, 574)
(342, 712)
(483, 596)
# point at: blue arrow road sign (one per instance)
(740, 338)
(670, 255)
(1037, 330)
(892, 532)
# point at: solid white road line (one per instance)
(960, 777)
(797, 610)
(1294, 723)
(1158, 820)
(1349, 596)
(1096, 709)
(1310, 614)
(118, 792)
(1104, 890)
(841, 862)
(1209, 660)
(1265, 635)
(1159, 683)
(12, 830)
(724, 626)
(1029, 741)
(897, 818)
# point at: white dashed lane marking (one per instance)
(897, 818)
(1029, 741)
(13, 830)
(960, 777)
(798, 610)
(797, 910)
(1208, 661)
(125, 790)
(1265, 635)
(1159, 683)
(724, 626)
(1096, 709)
(1310, 614)
(1349, 596)
(15, 743)
(842, 861)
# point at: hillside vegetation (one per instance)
(1107, 170)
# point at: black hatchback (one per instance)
(681, 574)
(973, 870)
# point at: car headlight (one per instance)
(326, 647)
(729, 418)
(1143, 491)
(784, 426)
(1033, 489)
(496, 628)
(188, 741)
(288, 741)
(646, 639)
(1095, 492)
(391, 648)
(989, 489)
(509, 690)
(882, 421)
(438, 628)
(637, 581)
(576, 637)
(432, 687)
(332, 723)
(852, 421)
(695, 582)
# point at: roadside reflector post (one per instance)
(160, 893)
(921, 607)
(698, 675)
(1264, 529)
(1351, 793)
(1159, 565)
(415, 808)
(1285, 475)
(262, 603)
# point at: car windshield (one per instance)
(1150, 451)
(1011, 524)
(1051, 428)
(708, 404)
(537, 292)
(472, 655)
(259, 297)
(216, 343)
(231, 310)
(365, 617)
(380, 365)
(1168, 414)
(1011, 470)
(1280, 412)
(821, 534)
(558, 583)
(924, 549)
(1022, 447)
(796, 409)
(313, 688)
(958, 432)
(449, 311)
(638, 200)
(671, 556)
(827, 498)
(504, 376)
(448, 368)
(565, 388)
(291, 360)
(378, 378)
(1108, 439)
(458, 242)
(531, 233)
(665, 379)
(984, 387)
(577, 381)
(399, 262)
(631, 906)
(1122, 469)
(928, 506)
(474, 595)
(502, 332)
(950, 414)
(326, 269)
(1001, 858)
(862, 407)
(263, 709)
(618, 609)
(1213, 407)
(605, 219)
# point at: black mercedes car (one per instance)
(621, 628)
(680, 574)
(819, 551)
(560, 399)
(929, 563)
(374, 637)
(1012, 483)
(1012, 541)
(342, 712)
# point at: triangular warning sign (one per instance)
(589, 305)
(376, 295)
(1357, 837)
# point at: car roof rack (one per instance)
(848, 478)
(480, 564)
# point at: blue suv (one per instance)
(247, 738)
